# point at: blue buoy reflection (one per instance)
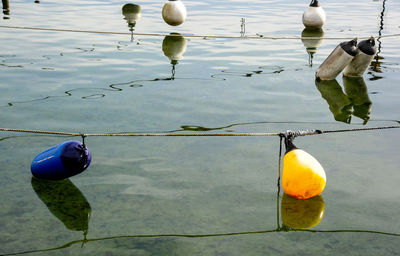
(65, 201)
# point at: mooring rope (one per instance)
(194, 36)
(126, 134)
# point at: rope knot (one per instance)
(291, 134)
(83, 139)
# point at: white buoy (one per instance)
(174, 12)
(314, 16)
(339, 58)
(316, 36)
(360, 63)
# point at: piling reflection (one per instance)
(354, 101)
(302, 213)
(339, 103)
(357, 92)
(132, 13)
(174, 46)
(65, 201)
(316, 36)
(6, 9)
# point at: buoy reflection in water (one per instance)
(302, 214)
(6, 9)
(132, 13)
(65, 201)
(317, 35)
(173, 47)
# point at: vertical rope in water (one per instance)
(281, 136)
(382, 14)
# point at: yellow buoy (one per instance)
(302, 175)
(302, 214)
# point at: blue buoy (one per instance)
(62, 161)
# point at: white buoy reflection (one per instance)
(316, 36)
(132, 13)
(174, 46)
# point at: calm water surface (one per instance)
(205, 195)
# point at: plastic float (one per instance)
(360, 63)
(174, 12)
(62, 161)
(314, 16)
(339, 58)
(302, 175)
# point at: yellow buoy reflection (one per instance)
(302, 214)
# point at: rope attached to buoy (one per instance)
(258, 36)
(266, 134)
